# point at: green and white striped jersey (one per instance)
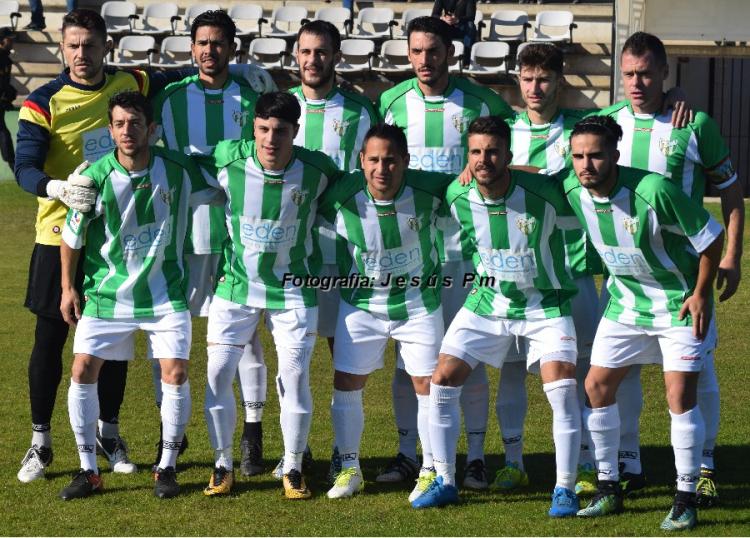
(547, 147)
(385, 241)
(518, 248)
(135, 235)
(688, 157)
(648, 234)
(193, 119)
(270, 217)
(335, 125)
(436, 132)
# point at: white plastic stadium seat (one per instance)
(356, 56)
(393, 57)
(340, 17)
(374, 23)
(157, 19)
(238, 52)
(507, 25)
(175, 52)
(267, 52)
(554, 27)
(488, 58)
(134, 50)
(455, 62)
(286, 20)
(11, 10)
(119, 15)
(191, 13)
(247, 18)
(407, 17)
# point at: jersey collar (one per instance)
(65, 77)
(276, 173)
(499, 201)
(448, 90)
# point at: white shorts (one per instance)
(585, 309)
(453, 297)
(234, 324)
(474, 339)
(618, 345)
(328, 304)
(361, 338)
(202, 269)
(167, 337)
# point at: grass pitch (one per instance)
(256, 506)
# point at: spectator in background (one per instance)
(459, 14)
(7, 95)
(37, 14)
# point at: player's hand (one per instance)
(70, 306)
(728, 277)
(699, 308)
(259, 79)
(77, 192)
(464, 178)
(682, 114)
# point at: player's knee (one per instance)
(450, 371)
(85, 369)
(598, 392)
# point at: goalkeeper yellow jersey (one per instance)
(71, 120)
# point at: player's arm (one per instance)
(699, 305)
(73, 234)
(733, 211)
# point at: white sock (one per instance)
(175, 415)
(252, 376)
(423, 425)
(295, 398)
(630, 402)
(475, 402)
(445, 427)
(109, 430)
(348, 417)
(586, 455)
(709, 402)
(83, 410)
(41, 437)
(156, 380)
(566, 429)
(405, 411)
(223, 458)
(219, 408)
(604, 425)
(688, 433)
(511, 405)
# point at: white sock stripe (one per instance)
(559, 383)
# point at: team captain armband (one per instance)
(723, 174)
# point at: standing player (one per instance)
(333, 121)
(689, 158)
(385, 220)
(435, 109)
(662, 251)
(195, 114)
(134, 280)
(513, 221)
(272, 188)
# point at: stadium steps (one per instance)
(588, 64)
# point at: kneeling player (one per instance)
(513, 220)
(662, 251)
(385, 224)
(134, 280)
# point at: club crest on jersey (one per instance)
(240, 117)
(667, 147)
(526, 224)
(460, 122)
(414, 224)
(562, 147)
(166, 196)
(630, 224)
(298, 196)
(340, 126)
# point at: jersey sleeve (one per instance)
(32, 144)
(158, 80)
(203, 188)
(679, 214)
(436, 183)
(714, 153)
(74, 231)
(498, 106)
